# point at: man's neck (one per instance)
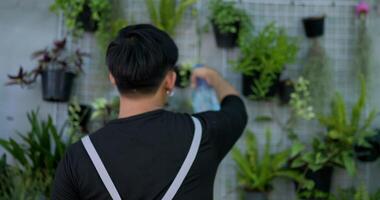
(135, 106)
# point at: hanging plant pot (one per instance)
(322, 179)
(286, 88)
(248, 81)
(183, 77)
(226, 40)
(85, 19)
(314, 26)
(249, 195)
(57, 85)
(372, 153)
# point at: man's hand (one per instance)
(215, 80)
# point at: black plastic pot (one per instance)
(314, 26)
(322, 179)
(226, 40)
(57, 85)
(369, 154)
(248, 82)
(180, 79)
(285, 89)
(255, 196)
(86, 21)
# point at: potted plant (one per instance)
(256, 174)
(95, 16)
(314, 26)
(168, 14)
(105, 110)
(183, 75)
(226, 22)
(359, 193)
(57, 68)
(263, 58)
(38, 152)
(79, 116)
(369, 153)
(285, 89)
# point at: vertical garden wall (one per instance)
(29, 25)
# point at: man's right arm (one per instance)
(226, 125)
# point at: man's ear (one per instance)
(171, 77)
(112, 79)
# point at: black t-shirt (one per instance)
(144, 153)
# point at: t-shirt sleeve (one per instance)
(225, 126)
(64, 186)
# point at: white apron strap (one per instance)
(174, 187)
(189, 160)
(99, 166)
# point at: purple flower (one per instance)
(362, 8)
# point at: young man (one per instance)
(141, 154)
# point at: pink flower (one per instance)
(362, 8)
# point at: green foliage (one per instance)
(344, 132)
(226, 16)
(40, 149)
(264, 57)
(255, 174)
(25, 185)
(317, 71)
(105, 110)
(359, 193)
(103, 13)
(184, 72)
(336, 148)
(300, 100)
(167, 15)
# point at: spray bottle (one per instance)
(204, 96)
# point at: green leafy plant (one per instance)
(40, 149)
(336, 148)
(168, 14)
(344, 132)
(25, 185)
(104, 15)
(227, 17)
(317, 71)
(105, 110)
(359, 193)
(255, 174)
(263, 57)
(184, 73)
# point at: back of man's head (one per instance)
(140, 57)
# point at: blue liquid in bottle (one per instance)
(204, 97)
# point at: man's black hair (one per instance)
(140, 57)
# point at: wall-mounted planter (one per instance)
(183, 77)
(248, 81)
(57, 85)
(85, 19)
(226, 40)
(369, 154)
(314, 26)
(322, 179)
(285, 89)
(249, 195)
